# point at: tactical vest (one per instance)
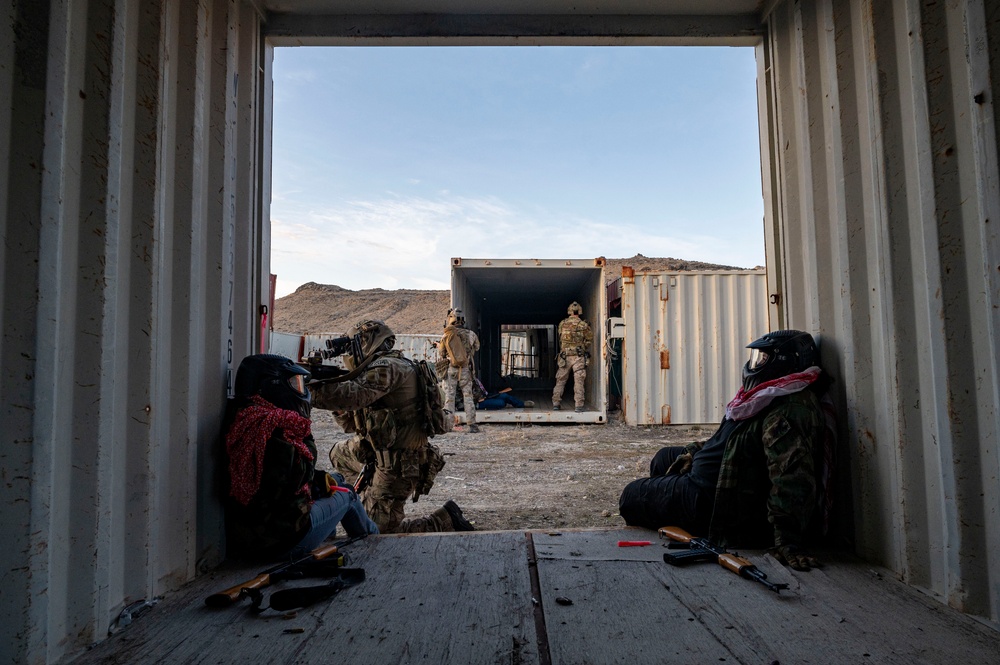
(573, 336)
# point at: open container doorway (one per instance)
(389, 162)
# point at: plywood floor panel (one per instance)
(846, 612)
(468, 598)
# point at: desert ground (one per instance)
(511, 476)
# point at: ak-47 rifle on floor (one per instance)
(324, 561)
(702, 549)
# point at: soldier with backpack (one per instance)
(457, 346)
(575, 338)
(392, 407)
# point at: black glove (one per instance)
(680, 465)
(795, 557)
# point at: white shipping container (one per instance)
(515, 306)
(685, 339)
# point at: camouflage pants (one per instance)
(460, 377)
(386, 496)
(578, 366)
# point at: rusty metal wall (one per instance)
(130, 270)
(879, 122)
(685, 339)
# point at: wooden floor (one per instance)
(561, 597)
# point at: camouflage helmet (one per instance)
(373, 337)
(574, 308)
(778, 354)
(456, 317)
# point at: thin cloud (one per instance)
(408, 242)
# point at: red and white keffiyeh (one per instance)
(247, 440)
(749, 403)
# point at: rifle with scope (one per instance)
(335, 347)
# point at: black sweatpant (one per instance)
(662, 500)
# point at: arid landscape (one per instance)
(324, 308)
(535, 477)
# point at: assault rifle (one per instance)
(324, 561)
(702, 549)
(334, 347)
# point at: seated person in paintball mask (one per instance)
(761, 480)
(279, 504)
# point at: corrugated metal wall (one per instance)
(685, 339)
(879, 123)
(130, 266)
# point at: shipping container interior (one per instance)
(515, 307)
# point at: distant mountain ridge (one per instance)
(327, 308)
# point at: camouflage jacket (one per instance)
(277, 517)
(382, 405)
(575, 336)
(768, 481)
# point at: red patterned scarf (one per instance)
(749, 403)
(247, 440)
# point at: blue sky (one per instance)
(388, 161)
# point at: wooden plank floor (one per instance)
(481, 598)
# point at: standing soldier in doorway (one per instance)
(575, 338)
(457, 346)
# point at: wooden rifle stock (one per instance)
(232, 594)
(701, 549)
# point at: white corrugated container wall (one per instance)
(132, 269)
(685, 334)
(879, 126)
(289, 345)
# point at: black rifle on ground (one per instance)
(324, 561)
(702, 549)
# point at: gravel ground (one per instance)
(511, 476)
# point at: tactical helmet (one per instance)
(275, 378)
(574, 308)
(456, 317)
(373, 337)
(778, 354)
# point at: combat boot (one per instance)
(528, 404)
(474, 428)
(579, 409)
(556, 406)
(457, 519)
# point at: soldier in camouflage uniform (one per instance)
(759, 480)
(382, 407)
(575, 338)
(457, 346)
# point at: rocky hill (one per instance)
(321, 308)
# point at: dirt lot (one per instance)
(537, 476)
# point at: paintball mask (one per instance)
(778, 354)
(275, 378)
